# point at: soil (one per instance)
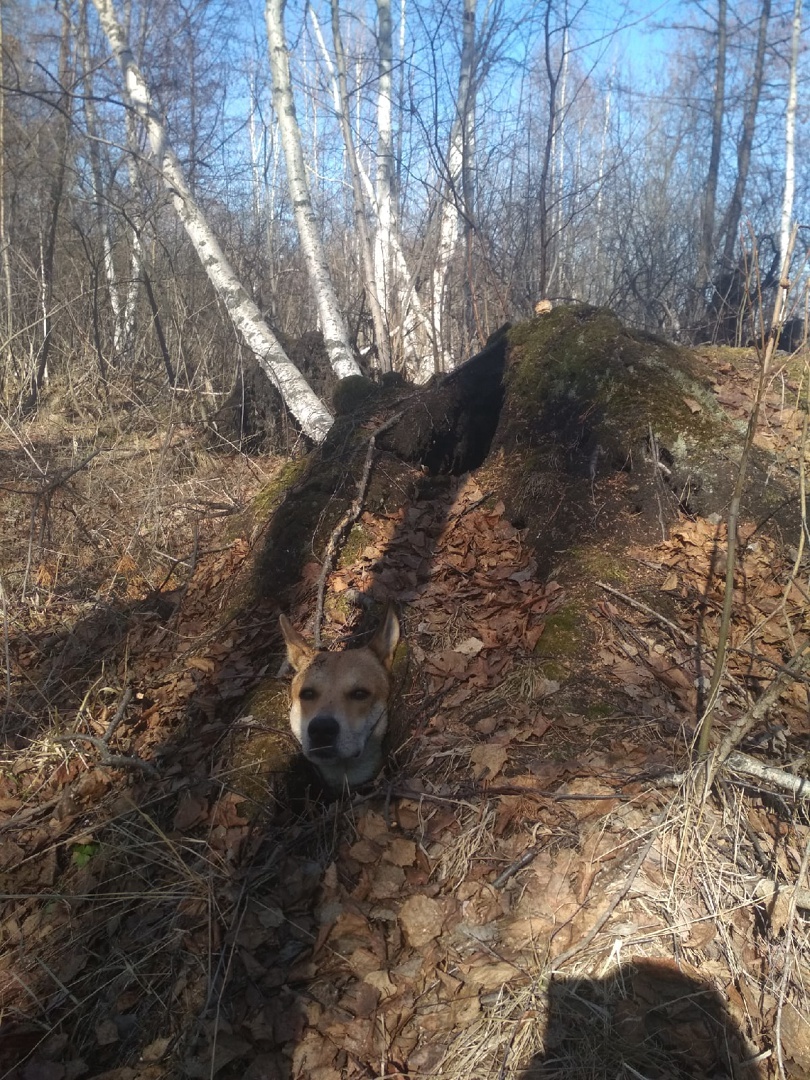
(533, 887)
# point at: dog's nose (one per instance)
(323, 734)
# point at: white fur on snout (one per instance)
(349, 743)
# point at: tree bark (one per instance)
(310, 412)
(707, 216)
(450, 218)
(48, 241)
(333, 325)
(790, 133)
(8, 320)
(364, 237)
(99, 194)
(732, 223)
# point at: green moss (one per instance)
(599, 709)
(259, 755)
(581, 360)
(266, 501)
(600, 565)
(553, 671)
(562, 636)
(356, 543)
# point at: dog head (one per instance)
(339, 702)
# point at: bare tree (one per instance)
(332, 321)
(364, 236)
(790, 133)
(708, 207)
(48, 237)
(450, 218)
(313, 416)
(731, 223)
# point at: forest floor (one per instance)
(533, 889)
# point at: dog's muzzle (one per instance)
(323, 732)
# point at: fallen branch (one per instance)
(637, 604)
(102, 742)
(342, 528)
(790, 784)
(116, 761)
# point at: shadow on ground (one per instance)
(645, 1019)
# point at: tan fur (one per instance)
(339, 703)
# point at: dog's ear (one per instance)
(384, 642)
(299, 653)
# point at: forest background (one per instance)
(463, 159)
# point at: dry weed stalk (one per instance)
(766, 355)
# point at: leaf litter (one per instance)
(519, 863)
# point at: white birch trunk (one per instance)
(414, 327)
(385, 153)
(363, 234)
(790, 131)
(333, 325)
(310, 412)
(450, 218)
(136, 258)
(449, 228)
(97, 181)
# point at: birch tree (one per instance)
(450, 216)
(5, 259)
(97, 181)
(333, 324)
(395, 286)
(395, 281)
(708, 208)
(310, 412)
(364, 237)
(48, 235)
(731, 224)
(790, 132)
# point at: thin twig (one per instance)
(6, 653)
(563, 958)
(342, 528)
(518, 865)
(757, 712)
(115, 761)
(126, 697)
(796, 786)
(637, 604)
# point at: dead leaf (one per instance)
(489, 976)
(401, 852)
(693, 405)
(471, 646)
(701, 934)
(191, 810)
(381, 981)
(201, 663)
(156, 1049)
(795, 1034)
(487, 760)
(106, 1032)
(421, 919)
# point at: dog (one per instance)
(339, 703)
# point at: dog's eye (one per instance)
(359, 694)
(308, 694)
